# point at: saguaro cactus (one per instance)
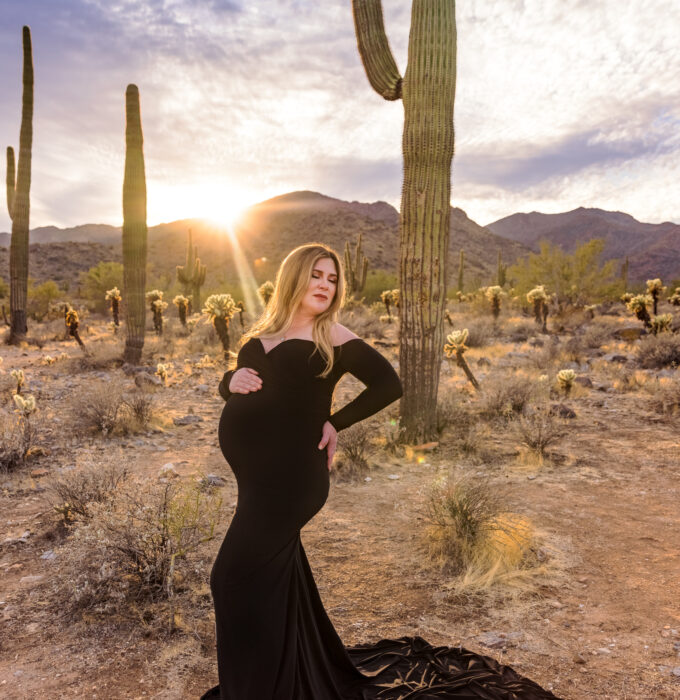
(428, 94)
(192, 274)
(19, 203)
(355, 271)
(461, 272)
(134, 228)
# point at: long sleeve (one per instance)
(246, 358)
(383, 385)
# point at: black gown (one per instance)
(274, 638)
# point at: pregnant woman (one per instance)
(274, 638)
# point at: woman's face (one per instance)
(322, 287)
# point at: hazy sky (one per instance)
(559, 104)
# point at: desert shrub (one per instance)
(140, 406)
(363, 322)
(470, 533)
(506, 397)
(378, 281)
(521, 331)
(546, 357)
(665, 397)
(480, 332)
(97, 280)
(136, 546)
(656, 351)
(574, 349)
(538, 430)
(452, 412)
(352, 463)
(40, 297)
(460, 513)
(576, 278)
(72, 492)
(96, 407)
(18, 435)
(595, 336)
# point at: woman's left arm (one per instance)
(383, 385)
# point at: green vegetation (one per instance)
(97, 281)
(576, 279)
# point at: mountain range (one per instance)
(269, 230)
(652, 249)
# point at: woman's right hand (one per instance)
(245, 380)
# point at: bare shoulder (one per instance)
(340, 334)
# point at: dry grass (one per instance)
(665, 396)
(657, 351)
(506, 397)
(18, 435)
(352, 462)
(537, 430)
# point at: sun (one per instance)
(222, 203)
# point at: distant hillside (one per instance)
(267, 230)
(653, 249)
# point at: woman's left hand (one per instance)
(329, 436)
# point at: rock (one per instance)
(187, 420)
(516, 355)
(676, 671)
(143, 379)
(213, 480)
(393, 476)
(584, 381)
(37, 473)
(499, 640)
(33, 627)
(368, 478)
(167, 471)
(49, 554)
(28, 580)
(615, 357)
(562, 411)
(483, 362)
(203, 388)
(604, 650)
(630, 333)
(578, 658)
(161, 448)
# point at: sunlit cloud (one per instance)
(558, 105)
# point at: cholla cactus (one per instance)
(220, 308)
(155, 299)
(18, 376)
(494, 294)
(626, 297)
(113, 295)
(455, 346)
(654, 289)
(675, 297)
(182, 304)
(566, 377)
(48, 360)
(661, 323)
(25, 404)
(162, 371)
(205, 361)
(539, 298)
(265, 291)
(241, 308)
(448, 318)
(72, 323)
(387, 298)
(638, 305)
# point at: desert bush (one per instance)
(665, 397)
(352, 463)
(72, 492)
(376, 282)
(140, 407)
(452, 412)
(97, 281)
(363, 322)
(480, 332)
(506, 397)
(521, 331)
(538, 430)
(18, 435)
(546, 357)
(136, 546)
(658, 351)
(96, 407)
(40, 297)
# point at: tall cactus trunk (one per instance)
(428, 94)
(134, 229)
(19, 203)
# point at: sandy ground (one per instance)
(606, 625)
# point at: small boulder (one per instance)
(187, 420)
(562, 411)
(630, 333)
(584, 381)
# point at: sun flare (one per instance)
(220, 202)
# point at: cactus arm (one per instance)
(11, 180)
(374, 49)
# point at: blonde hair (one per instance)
(292, 282)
